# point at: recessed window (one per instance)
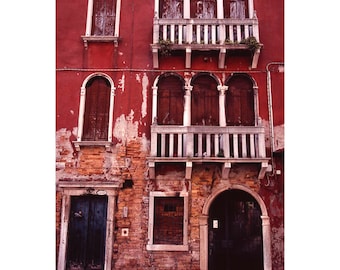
(102, 23)
(96, 117)
(95, 111)
(240, 101)
(204, 101)
(168, 221)
(170, 100)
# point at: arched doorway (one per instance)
(205, 218)
(235, 232)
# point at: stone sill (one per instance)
(106, 144)
(87, 39)
(167, 247)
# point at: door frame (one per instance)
(78, 189)
(203, 223)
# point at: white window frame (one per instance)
(220, 12)
(88, 31)
(164, 247)
(79, 141)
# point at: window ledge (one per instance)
(107, 144)
(87, 39)
(167, 247)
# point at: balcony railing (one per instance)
(204, 31)
(231, 142)
(204, 34)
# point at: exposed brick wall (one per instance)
(129, 252)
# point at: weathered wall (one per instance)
(130, 67)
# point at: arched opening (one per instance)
(254, 199)
(235, 232)
(97, 106)
(170, 101)
(240, 102)
(204, 100)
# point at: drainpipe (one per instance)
(270, 111)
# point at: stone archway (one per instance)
(267, 265)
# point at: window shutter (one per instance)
(96, 118)
(240, 102)
(204, 101)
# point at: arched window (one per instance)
(170, 101)
(204, 101)
(95, 110)
(96, 115)
(240, 108)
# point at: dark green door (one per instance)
(86, 232)
(235, 232)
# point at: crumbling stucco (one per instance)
(145, 83)
(278, 135)
(121, 83)
(125, 129)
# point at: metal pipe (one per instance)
(270, 110)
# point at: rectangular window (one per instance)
(104, 14)
(102, 23)
(168, 221)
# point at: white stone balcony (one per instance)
(225, 145)
(206, 34)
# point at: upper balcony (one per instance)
(206, 34)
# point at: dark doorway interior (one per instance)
(235, 232)
(86, 233)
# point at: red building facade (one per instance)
(169, 134)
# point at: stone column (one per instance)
(222, 117)
(267, 257)
(154, 104)
(187, 106)
(203, 223)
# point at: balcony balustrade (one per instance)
(226, 145)
(205, 34)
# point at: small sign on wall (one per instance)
(215, 224)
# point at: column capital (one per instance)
(188, 88)
(222, 88)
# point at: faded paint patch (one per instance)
(121, 83)
(64, 149)
(75, 131)
(145, 144)
(125, 129)
(278, 135)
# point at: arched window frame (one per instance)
(257, 120)
(218, 88)
(155, 94)
(79, 141)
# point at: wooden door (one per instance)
(87, 233)
(235, 232)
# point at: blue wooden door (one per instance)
(86, 232)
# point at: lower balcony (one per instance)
(225, 145)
